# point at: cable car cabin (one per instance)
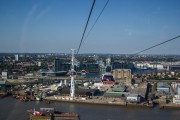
(107, 78)
(73, 73)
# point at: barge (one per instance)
(51, 114)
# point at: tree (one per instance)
(155, 86)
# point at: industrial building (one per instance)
(114, 94)
(163, 88)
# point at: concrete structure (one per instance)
(122, 74)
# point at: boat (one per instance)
(51, 114)
(37, 113)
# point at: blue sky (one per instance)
(56, 26)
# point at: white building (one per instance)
(149, 65)
(4, 75)
(176, 99)
(108, 61)
(155, 66)
(135, 98)
(39, 63)
(141, 65)
(16, 57)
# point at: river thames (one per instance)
(12, 109)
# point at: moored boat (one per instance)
(51, 114)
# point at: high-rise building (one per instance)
(16, 57)
(57, 65)
(60, 66)
(39, 63)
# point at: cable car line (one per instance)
(86, 26)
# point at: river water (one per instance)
(12, 109)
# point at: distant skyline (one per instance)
(56, 26)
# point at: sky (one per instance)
(56, 26)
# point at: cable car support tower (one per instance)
(72, 74)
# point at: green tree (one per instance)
(155, 86)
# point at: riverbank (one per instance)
(169, 106)
(96, 102)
